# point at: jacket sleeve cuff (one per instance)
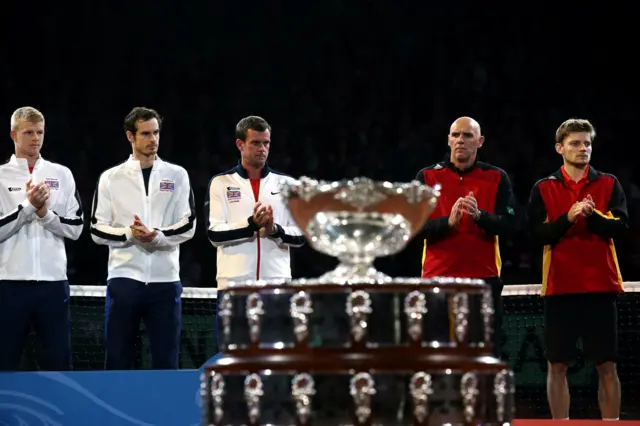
(28, 208)
(252, 224)
(482, 216)
(128, 233)
(159, 239)
(564, 220)
(47, 218)
(278, 233)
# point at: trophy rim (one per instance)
(292, 188)
(332, 360)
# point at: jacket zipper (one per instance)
(258, 239)
(258, 263)
(145, 220)
(36, 245)
(462, 194)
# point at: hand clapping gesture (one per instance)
(37, 194)
(263, 217)
(584, 208)
(464, 205)
(141, 232)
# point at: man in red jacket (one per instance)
(574, 214)
(476, 206)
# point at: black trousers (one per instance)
(159, 306)
(43, 305)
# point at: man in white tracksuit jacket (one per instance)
(143, 209)
(39, 208)
(247, 220)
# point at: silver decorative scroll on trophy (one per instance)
(225, 313)
(487, 312)
(461, 316)
(503, 388)
(300, 308)
(302, 390)
(421, 389)
(362, 389)
(415, 307)
(217, 394)
(255, 312)
(358, 220)
(359, 309)
(253, 392)
(469, 391)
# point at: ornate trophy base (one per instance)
(407, 351)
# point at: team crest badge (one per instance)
(52, 183)
(167, 185)
(233, 194)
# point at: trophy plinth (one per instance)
(359, 220)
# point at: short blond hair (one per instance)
(28, 114)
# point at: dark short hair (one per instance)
(252, 122)
(140, 114)
(575, 125)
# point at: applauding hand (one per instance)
(141, 232)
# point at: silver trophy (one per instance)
(356, 346)
(359, 220)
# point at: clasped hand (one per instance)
(464, 205)
(584, 208)
(141, 232)
(263, 217)
(38, 195)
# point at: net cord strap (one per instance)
(211, 293)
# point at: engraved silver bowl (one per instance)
(359, 220)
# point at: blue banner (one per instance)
(101, 398)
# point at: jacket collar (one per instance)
(592, 174)
(22, 162)
(448, 164)
(135, 164)
(244, 174)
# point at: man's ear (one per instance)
(130, 137)
(559, 148)
(239, 144)
(480, 141)
(14, 135)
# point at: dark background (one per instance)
(364, 88)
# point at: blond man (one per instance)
(39, 208)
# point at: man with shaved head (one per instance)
(476, 207)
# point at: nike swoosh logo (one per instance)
(274, 193)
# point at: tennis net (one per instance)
(522, 337)
(524, 350)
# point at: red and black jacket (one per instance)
(578, 257)
(471, 250)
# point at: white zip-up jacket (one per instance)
(242, 253)
(32, 248)
(166, 205)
